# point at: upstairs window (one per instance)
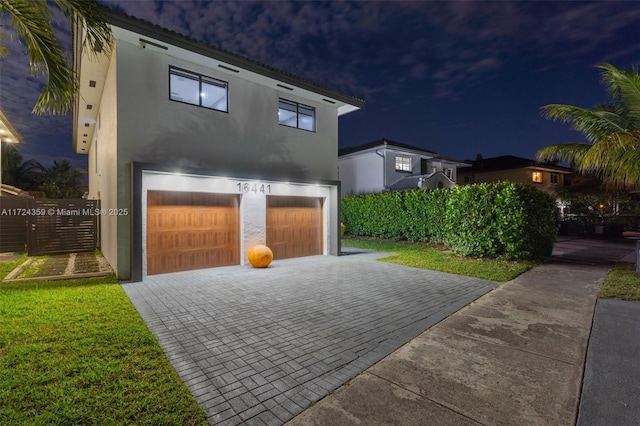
(403, 164)
(197, 89)
(536, 177)
(293, 114)
(448, 172)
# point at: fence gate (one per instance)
(62, 226)
(13, 224)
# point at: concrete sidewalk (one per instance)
(611, 387)
(514, 356)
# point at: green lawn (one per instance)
(77, 352)
(621, 283)
(437, 258)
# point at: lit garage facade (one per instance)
(199, 154)
(194, 220)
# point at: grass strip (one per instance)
(77, 352)
(621, 283)
(438, 258)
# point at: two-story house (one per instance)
(197, 154)
(386, 165)
(547, 177)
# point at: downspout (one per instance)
(384, 167)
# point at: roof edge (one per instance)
(149, 29)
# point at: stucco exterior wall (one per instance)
(246, 141)
(102, 165)
(361, 174)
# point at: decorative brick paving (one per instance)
(258, 346)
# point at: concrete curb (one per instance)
(57, 277)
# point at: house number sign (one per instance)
(247, 187)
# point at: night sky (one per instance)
(458, 78)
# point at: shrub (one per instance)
(503, 219)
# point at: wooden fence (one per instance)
(45, 226)
(13, 227)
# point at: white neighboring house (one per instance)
(197, 154)
(385, 165)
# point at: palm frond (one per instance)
(32, 21)
(593, 124)
(95, 24)
(625, 87)
(617, 159)
(572, 153)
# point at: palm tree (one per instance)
(62, 181)
(612, 129)
(27, 175)
(31, 21)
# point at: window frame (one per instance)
(403, 163)
(536, 177)
(200, 78)
(554, 178)
(298, 106)
(448, 172)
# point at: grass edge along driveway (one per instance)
(621, 281)
(436, 258)
(77, 352)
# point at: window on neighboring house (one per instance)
(197, 89)
(554, 178)
(293, 114)
(403, 164)
(448, 172)
(468, 179)
(536, 177)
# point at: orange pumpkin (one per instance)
(260, 256)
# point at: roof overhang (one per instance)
(550, 169)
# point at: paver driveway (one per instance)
(257, 346)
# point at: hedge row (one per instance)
(503, 219)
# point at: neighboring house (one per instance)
(197, 154)
(385, 165)
(545, 176)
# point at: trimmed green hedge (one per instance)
(503, 219)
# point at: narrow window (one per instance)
(196, 89)
(536, 177)
(293, 114)
(448, 172)
(403, 164)
(554, 178)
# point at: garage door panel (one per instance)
(191, 231)
(294, 226)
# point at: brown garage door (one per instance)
(294, 226)
(191, 230)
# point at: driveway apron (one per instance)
(258, 346)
